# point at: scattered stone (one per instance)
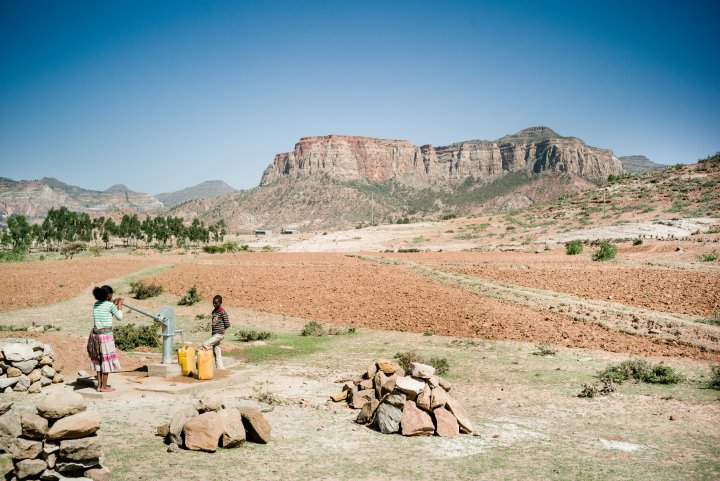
(26, 366)
(14, 372)
(178, 422)
(17, 352)
(371, 371)
(203, 432)
(58, 378)
(209, 403)
(424, 400)
(340, 396)
(45, 361)
(35, 375)
(48, 372)
(366, 384)
(10, 424)
(6, 382)
(35, 388)
(163, 430)
(5, 406)
(234, 434)
(70, 466)
(45, 381)
(256, 427)
(387, 418)
(51, 460)
(438, 398)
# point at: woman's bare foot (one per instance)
(107, 389)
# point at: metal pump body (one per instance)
(166, 317)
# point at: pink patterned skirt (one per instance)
(101, 349)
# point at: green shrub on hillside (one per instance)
(192, 297)
(641, 370)
(247, 335)
(140, 290)
(606, 252)
(574, 247)
(441, 364)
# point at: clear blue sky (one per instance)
(164, 95)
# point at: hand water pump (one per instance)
(166, 317)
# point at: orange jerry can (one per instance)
(205, 364)
(186, 359)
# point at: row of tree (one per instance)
(62, 226)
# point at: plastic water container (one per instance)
(186, 358)
(205, 364)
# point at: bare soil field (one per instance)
(530, 423)
(351, 291)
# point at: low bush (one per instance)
(591, 390)
(574, 247)
(248, 335)
(140, 290)
(637, 242)
(192, 297)
(544, 350)
(715, 377)
(340, 331)
(15, 255)
(641, 370)
(313, 328)
(708, 256)
(441, 364)
(129, 336)
(606, 252)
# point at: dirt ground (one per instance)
(530, 423)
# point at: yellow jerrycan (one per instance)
(205, 364)
(186, 358)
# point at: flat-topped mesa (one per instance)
(533, 150)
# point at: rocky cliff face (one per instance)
(637, 164)
(534, 150)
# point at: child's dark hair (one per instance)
(217, 298)
(108, 289)
(100, 293)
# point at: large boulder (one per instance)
(359, 398)
(178, 422)
(422, 371)
(438, 398)
(82, 449)
(424, 400)
(389, 413)
(446, 424)
(462, 417)
(256, 427)
(25, 449)
(18, 352)
(234, 434)
(415, 422)
(10, 424)
(76, 426)
(367, 412)
(29, 467)
(33, 426)
(203, 432)
(26, 367)
(411, 387)
(387, 366)
(61, 404)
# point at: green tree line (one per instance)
(62, 226)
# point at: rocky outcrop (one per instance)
(27, 365)
(33, 199)
(534, 150)
(638, 164)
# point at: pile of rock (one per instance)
(27, 365)
(59, 442)
(414, 405)
(209, 424)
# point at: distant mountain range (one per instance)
(638, 164)
(339, 181)
(206, 190)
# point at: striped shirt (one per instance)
(220, 321)
(103, 312)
